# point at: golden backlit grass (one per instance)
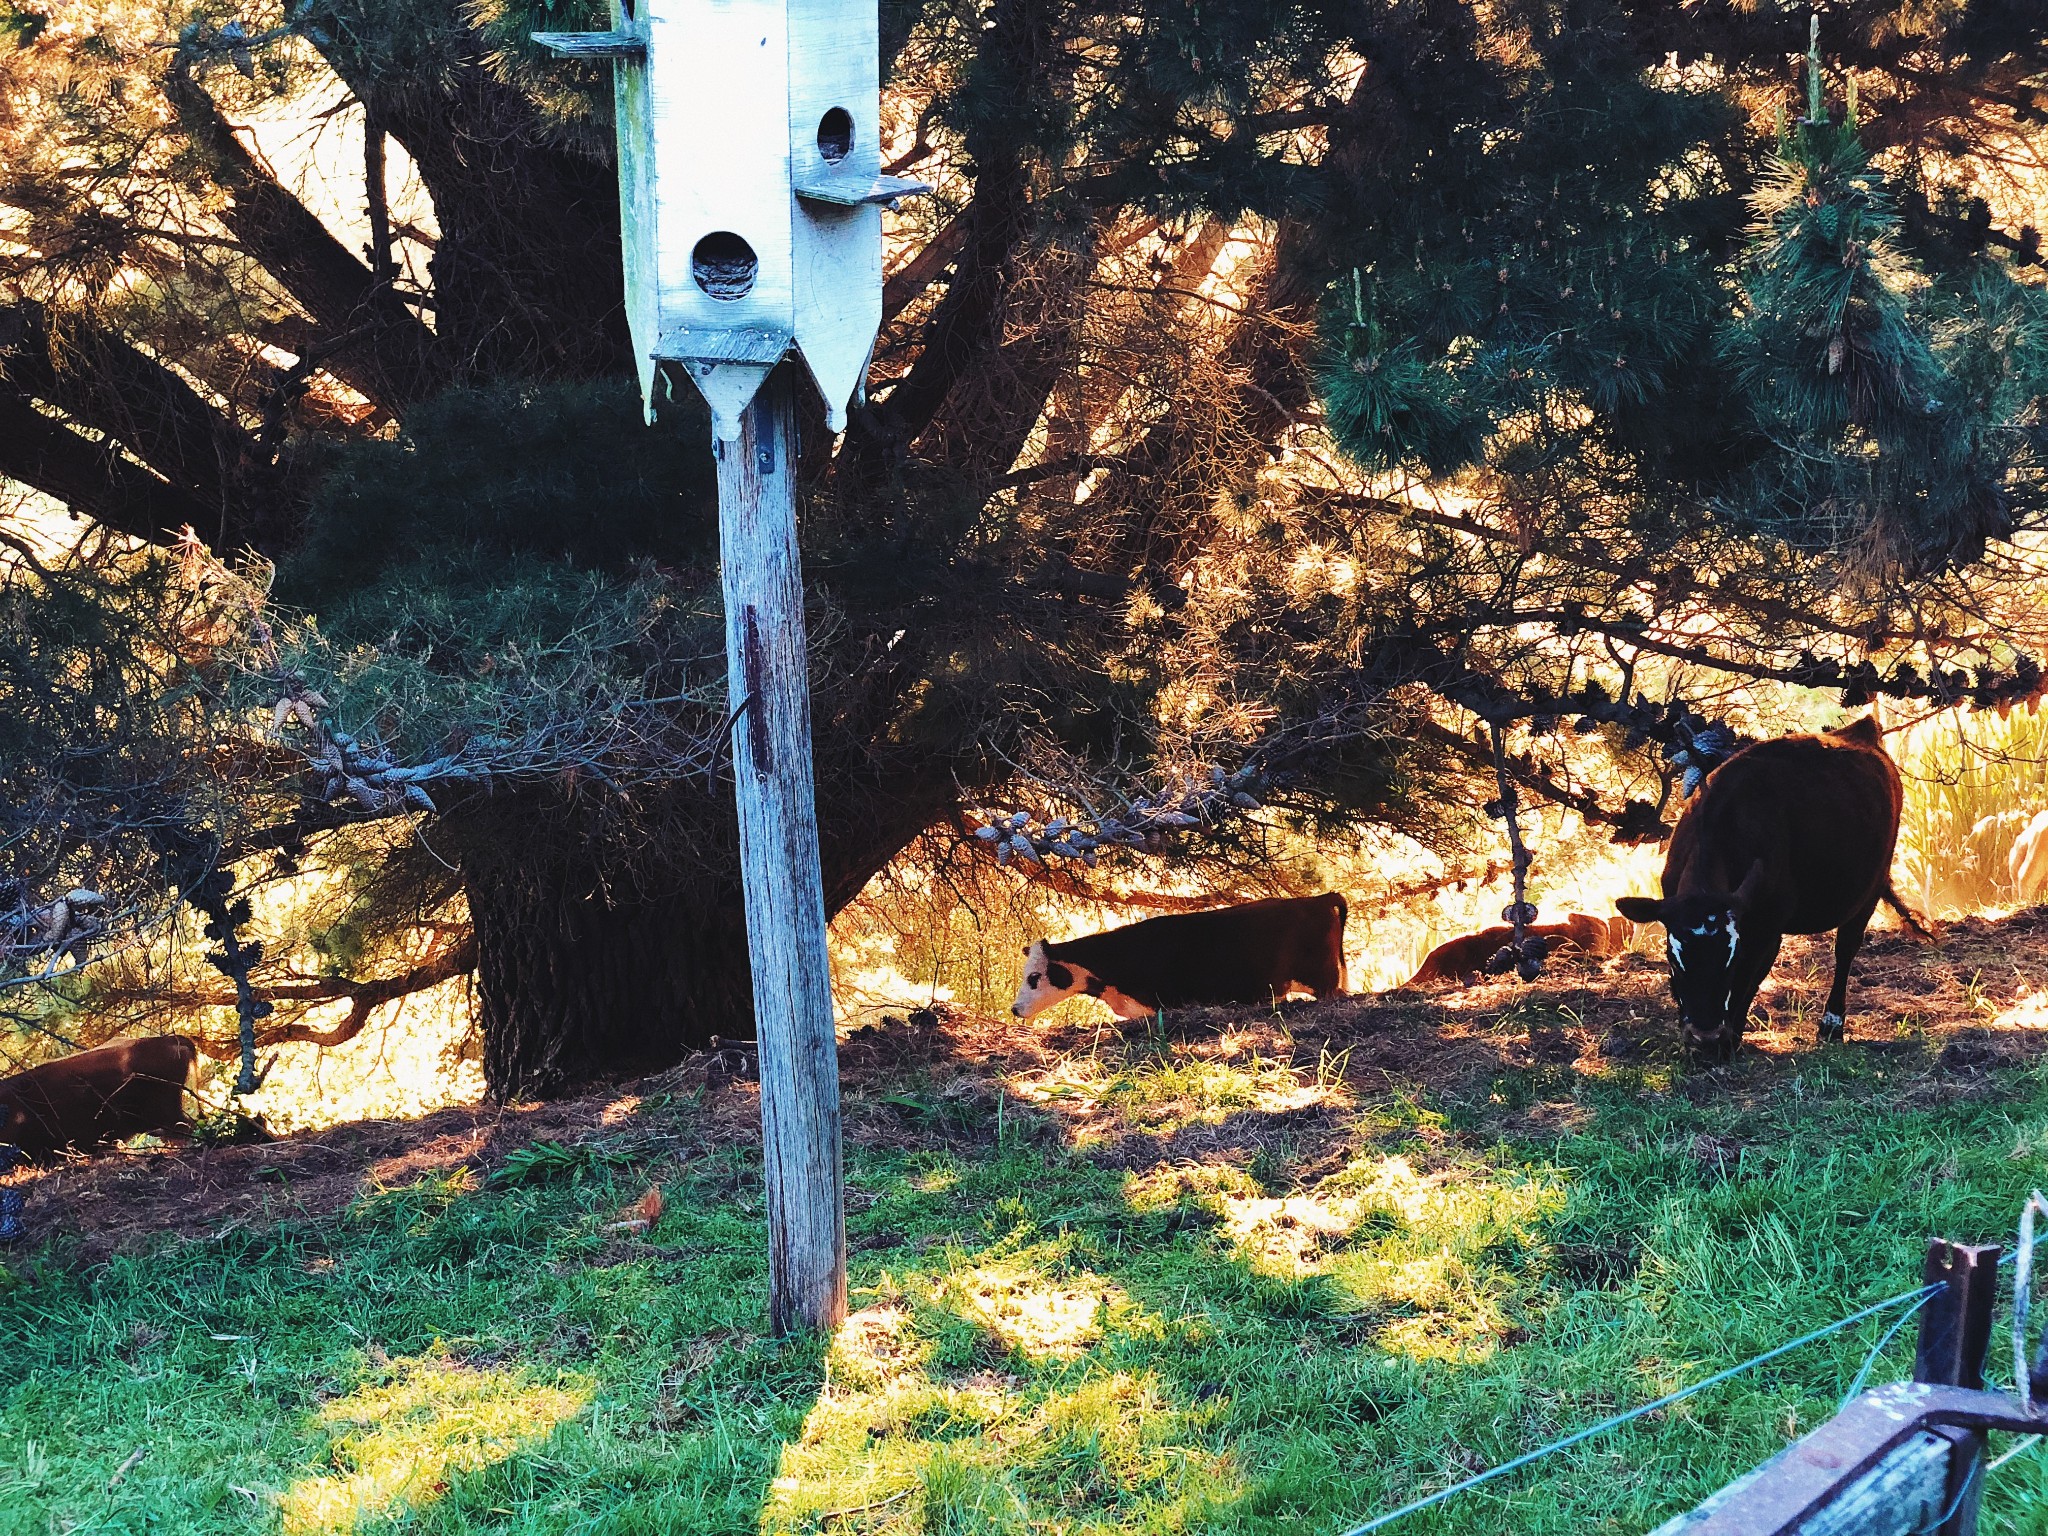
(395, 1443)
(1972, 782)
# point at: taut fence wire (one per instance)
(1914, 1300)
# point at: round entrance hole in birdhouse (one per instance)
(835, 135)
(724, 265)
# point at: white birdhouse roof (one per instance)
(749, 184)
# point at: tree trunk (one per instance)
(581, 974)
(611, 936)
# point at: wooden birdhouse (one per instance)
(750, 180)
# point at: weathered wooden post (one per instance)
(749, 178)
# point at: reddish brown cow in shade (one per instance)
(1456, 960)
(1250, 953)
(1788, 836)
(99, 1096)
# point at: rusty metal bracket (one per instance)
(1801, 1481)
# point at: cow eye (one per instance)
(1031, 980)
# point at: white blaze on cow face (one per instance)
(1702, 963)
(1046, 981)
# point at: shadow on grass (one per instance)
(1239, 1273)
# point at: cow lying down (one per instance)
(1458, 960)
(1252, 953)
(97, 1097)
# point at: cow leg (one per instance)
(1754, 968)
(1848, 939)
(1746, 972)
(1125, 1006)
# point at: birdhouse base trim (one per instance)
(852, 191)
(748, 344)
(593, 45)
(728, 387)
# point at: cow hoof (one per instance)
(1831, 1026)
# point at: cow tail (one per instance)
(1907, 915)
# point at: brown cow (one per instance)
(1250, 953)
(1788, 836)
(1458, 960)
(99, 1096)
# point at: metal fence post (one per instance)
(1955, 1330)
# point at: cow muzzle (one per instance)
(1713, 1043)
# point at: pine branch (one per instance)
(392, 365)
(903, 286)
(101, 381)
(447, 962)
(94, 478)
(1673, 583)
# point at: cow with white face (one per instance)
(1251, 953)
(1788, 836)
(1712, 970)
(1048, 981)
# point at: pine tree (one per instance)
(1088, 537)
(1799, 378)
(1547, 287)
(1849, 357)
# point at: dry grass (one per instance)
(1973, 781)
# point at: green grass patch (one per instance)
(1040, 1343)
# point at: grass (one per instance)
(1043, 1341)
(1972, 782)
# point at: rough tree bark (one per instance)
(605, 951)
(584, 970)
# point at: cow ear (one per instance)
(1745, 893)
(1640, 909)
(1059, 976)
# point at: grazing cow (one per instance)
(1457, 960)
(1788, 836)
(1250, 953)
(95, 1097)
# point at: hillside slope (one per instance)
(1248, 1267)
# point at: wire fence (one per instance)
(1914, 1300)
